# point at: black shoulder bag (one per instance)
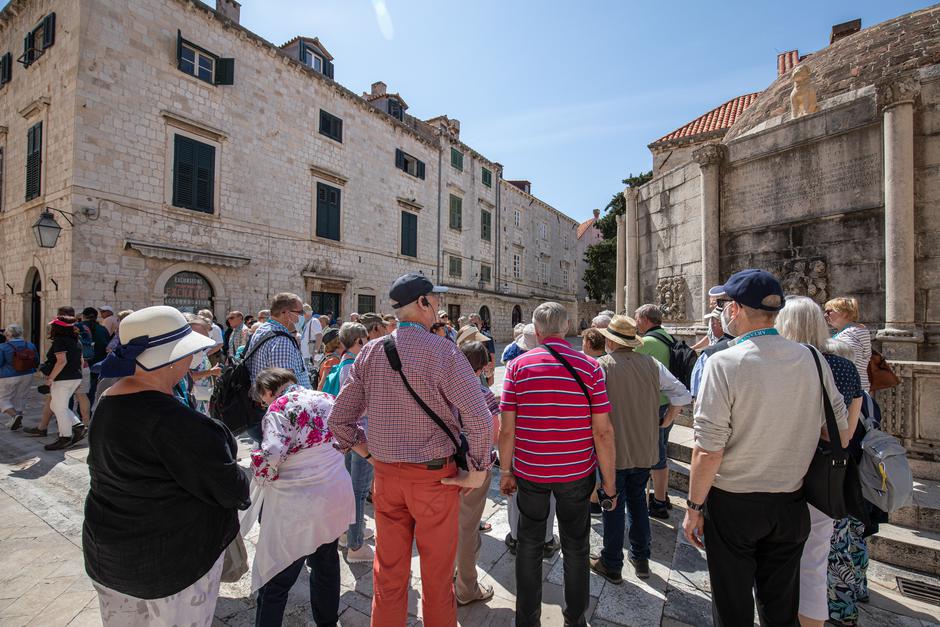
(832, 484)
(572, 371)
(461, 447)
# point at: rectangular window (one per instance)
(543, 271)
(456, 212)
(487, 178)
(193, 174)
(199, 62)
(34, 161)
(453, 312)
(313, 60)
(455, 266)
(409, 234)
(486, 273)
(409, 164)
(486, 225)
(395, 109)
(543, 230)
(6, 68)
(365, 303)
(327, 303)
(1, 179)
(310, 57)
(564, 276)
(456, 159)
(331, 126)
(328, 201)
(517, 218)
(516, 266)
(38, 40)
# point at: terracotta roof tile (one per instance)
(717, 119)
(584, 226)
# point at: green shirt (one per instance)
(658, 351)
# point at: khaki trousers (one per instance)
(468, 540)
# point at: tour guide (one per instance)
(417, 483)
(757, 422)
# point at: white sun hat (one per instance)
(152, 338)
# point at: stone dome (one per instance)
(892, 48)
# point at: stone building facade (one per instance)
(193, 163)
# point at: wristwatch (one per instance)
(695, 507)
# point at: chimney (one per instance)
(840, 31)
(597, 214)
(525, 186)
(229, 8)
(786, 61)
(455, 128)
(379, 88)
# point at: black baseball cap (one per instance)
(89, 311)
(410, 287)
(757, 289)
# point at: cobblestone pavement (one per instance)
(42, 579)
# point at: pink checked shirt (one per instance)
(399, 430)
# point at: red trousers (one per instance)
(411, 505)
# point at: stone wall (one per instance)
(927, 209)
(670, 250)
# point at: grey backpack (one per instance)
(884, 472)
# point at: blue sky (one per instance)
(564, 94)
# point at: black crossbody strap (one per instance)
(574, 373)
(395, 361)
(254, 349)
(835, 439)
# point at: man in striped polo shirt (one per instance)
(556, 430)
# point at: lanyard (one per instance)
(757, 333)
(418, 325)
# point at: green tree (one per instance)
(601, 258)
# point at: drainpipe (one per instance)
(440, 170)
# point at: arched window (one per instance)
(516, 315)
(485, 317)
(188, 292)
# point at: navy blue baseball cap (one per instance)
(410, 287)
(757, 289)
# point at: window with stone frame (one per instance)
(543, 230)
(6, 69)
(453, 313)
(543, 271)
(198, 62)
(517, 217)
(564, 276)
(328, 212)
(454, 266)
(486, 273)
(331, 126)
(409, 234)
(486, 225)
(456, 213)
(409, 164)
(365, 303)
(34, 161)
(487, 177)
(516, 266)
(456, 158)
(193, 174)
(38, 40)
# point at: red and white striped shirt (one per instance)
(554, 439)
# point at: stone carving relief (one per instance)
(671, 292)
(891, 93)
(803, 95)
(710, 154)
(807, 277)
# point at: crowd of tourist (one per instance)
(399, 411)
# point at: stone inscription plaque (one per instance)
(824, 178)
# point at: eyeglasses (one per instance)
(299, 312)
(829, 311)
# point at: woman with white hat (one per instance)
(525, 341)
(165, 486)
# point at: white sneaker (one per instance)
(366, 535)
(362, 554)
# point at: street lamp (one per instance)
(46, 230)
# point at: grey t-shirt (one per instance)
(761, 402)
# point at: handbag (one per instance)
(880, 374)
(462, 448)
(235, 560)
(832, 484)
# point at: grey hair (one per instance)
(350, 332)
(14, 330)
(651, 313)
(518, 330)
(550, 319)
(192, 318)
(839, 348)
(600, 319)
(608, 313)
(801, 320)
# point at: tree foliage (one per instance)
(599, 276)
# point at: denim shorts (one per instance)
(663, 439)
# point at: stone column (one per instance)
(709, 160)
(631, 285)
(619, 282)
(900, 336)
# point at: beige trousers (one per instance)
(468, 540)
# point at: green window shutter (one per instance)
(28, 49)
(456, 158)
(399, 159)
(487, 178)
(328, 212)
(456, 213)
(327, 69)
(421, 170)
(179, 49)
(331, 126)
(205, 177)
(184, 172)
(34, 161)
(409, 234)
(225, 72)
(486, 226)
(6, 68)
(48, 31)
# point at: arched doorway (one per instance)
(189, 292)
(35, 309)
(485, 318)
(516, 315)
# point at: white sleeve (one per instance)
(672, 387)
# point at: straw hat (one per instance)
(527, 341)
(622, 330)
(470, 334)
(169, 337)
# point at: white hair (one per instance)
(14, 330)
(802, 320)
(601, 321)
(550, 319)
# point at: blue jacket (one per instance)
(6, 358)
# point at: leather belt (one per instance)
(437, 464)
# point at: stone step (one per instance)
(913, 549)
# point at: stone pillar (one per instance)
(900, 336)
(620, 282)
(631, 285)
(709, 160)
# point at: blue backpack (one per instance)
(331, 385)
(87, 341)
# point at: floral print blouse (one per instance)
(297, 420)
